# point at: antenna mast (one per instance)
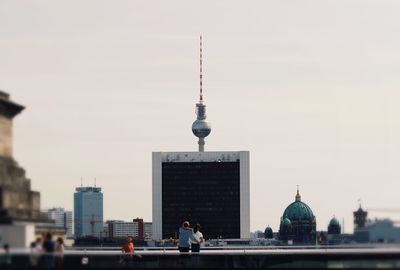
(201, 71)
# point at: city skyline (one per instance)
(105, 84)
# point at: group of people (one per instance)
(47, 253)
(190, 238)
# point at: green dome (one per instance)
(268, 233)
(298, 211)
(334, 226)
(334, 222)
(268, 230)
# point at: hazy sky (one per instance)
(310, 88)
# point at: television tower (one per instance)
(201, 128)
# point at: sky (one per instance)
(310, 88)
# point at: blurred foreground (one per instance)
(367, 257)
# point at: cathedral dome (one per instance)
(298, 223)
(334, 222)
(334, 226)
(298, 211)
(268, 233)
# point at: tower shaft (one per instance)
(201, 143)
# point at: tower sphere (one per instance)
(201, 128)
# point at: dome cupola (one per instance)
(298, 210)
(334, 226)
(268, 233)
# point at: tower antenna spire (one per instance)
(201, 128)
(201, 70)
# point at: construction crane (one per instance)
(386, 210)
(92, 223)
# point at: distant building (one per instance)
(68, 220)
(122, 229)
(360, 218)
(374, 231)
(148, 230)
(382, 231)
(210, 188)
(257, 235)
(140, 228)
(298, 223)
(61, 219)
(88, 211)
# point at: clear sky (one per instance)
(310, 88)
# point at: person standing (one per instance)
(5, 259)
(185, 235)
(48, 250)
(198, 237)
(60, 252)
(36, 252)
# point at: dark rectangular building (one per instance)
(210, 188)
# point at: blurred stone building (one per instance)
(19, 205)
(17, 201)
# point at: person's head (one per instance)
(60, 240)
(185, 224)
(39, 240)
(48, 236)
(196, 227)
(129, 239)
(6, 248)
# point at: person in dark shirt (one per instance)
(5, 259)
(48, 250)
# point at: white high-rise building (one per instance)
(62, 219)
(210, 188)
(68, 223)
